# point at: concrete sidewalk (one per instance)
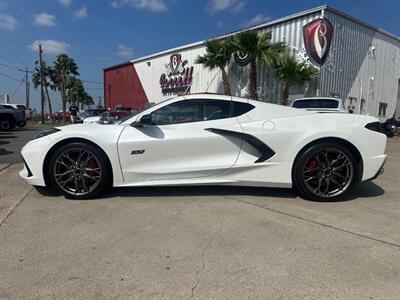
(12, 189)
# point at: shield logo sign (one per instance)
(317, 40)
(175, 61)
(241, 59)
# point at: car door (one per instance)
(180, 144)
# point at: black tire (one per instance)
(324, 172)
(6, 124)
(71, 174)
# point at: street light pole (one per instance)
(26, 88)
(41, 82)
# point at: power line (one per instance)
(15, 68)
(9, 77)
(91, 81)
(17, 88)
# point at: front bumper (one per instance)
(33, 154)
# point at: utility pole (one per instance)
(26, 88)
(41, 82)
(99, 104)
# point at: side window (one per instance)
(240, 108)
(196, 110)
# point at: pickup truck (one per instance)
(11, 117)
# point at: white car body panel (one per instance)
(89, 120)
(188, 154)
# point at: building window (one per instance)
(382, 109)
(362, 107)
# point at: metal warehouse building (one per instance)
(358, 63)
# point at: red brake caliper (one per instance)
(91, 165)
(313, 165)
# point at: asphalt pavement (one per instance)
(201, 242)
(12, 141)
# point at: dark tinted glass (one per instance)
(195, 110)
(317, 103)
(240, 108)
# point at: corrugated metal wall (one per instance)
(363, 64)
(211, 81)
(352, 69)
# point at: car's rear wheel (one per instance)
(80, 171)
(325, 172)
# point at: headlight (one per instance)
(46, 132)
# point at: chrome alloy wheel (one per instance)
(77, 171)
(328, 172)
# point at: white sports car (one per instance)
(208, 139)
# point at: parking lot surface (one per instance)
(11, 143)
(201, 242)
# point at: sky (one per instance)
(100, 33)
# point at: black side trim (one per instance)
(266, 152)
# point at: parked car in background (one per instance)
(111, 116)
(11, 117)
(58, 116)
(321, 104)
(92, 112)
(27, 111)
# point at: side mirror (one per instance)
(144, 120)
(351, 111)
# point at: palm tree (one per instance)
(257, 48)
(76, 92)
(218, 55)
(64, 66)
(292, 73)
(47, 73)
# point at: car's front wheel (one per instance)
(6, 124)
(80, 171)
(324, 172)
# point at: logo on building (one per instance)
(241, 58)
(178, 76)
(317, 40)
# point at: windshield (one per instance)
(151, 105)
(123, 119)
(316, 103)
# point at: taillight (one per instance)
(375, 126)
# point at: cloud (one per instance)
(215, 6)
(152, 5)
(125, 51)
(66, 3)
(81, 13)
(256, 20)
(8, 22)
(50, 46)
(44, 19)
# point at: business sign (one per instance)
(178, 77)
(318, 39)
(241, 58)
